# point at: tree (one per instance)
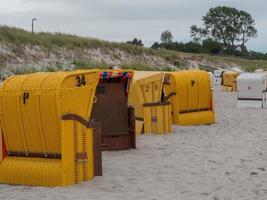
(136, 42)
(247, 29)
(198, 33)
(227, 25)
(166, 37)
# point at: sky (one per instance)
(122, 20)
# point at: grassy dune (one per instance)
(19, 37)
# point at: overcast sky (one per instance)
(122, 20)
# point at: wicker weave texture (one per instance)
(31, 109)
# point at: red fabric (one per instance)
(119, 74)
(110, 74)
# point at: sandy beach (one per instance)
(224, 161)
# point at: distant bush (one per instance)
(207, 46)
(156, 45)
(211, 46)
(136, 42)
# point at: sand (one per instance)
(224, 161)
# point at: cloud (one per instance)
(122, 20)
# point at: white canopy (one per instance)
(251, 85)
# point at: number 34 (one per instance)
(80, 80)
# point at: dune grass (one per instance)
(50, 41)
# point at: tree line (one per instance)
(225, 30)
